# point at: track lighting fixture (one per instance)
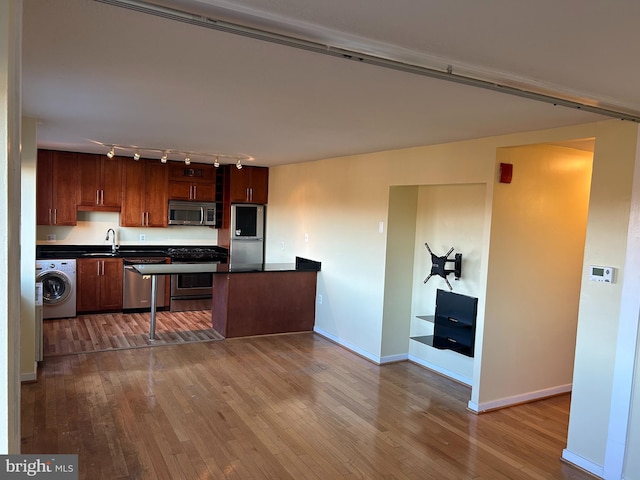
(138, 152)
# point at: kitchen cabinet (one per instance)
(195, 182)
(56, 178)
(99, 282)
(99, 182)
(248, 184)
(144, 193)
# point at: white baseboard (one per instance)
(583, 463)
(441, 371)
(402, 357)
(30, 376)
(520, 398)
(349, 346)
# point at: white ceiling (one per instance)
(94, 72)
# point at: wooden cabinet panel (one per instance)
(156, 193)
(263, 303)
(144, 194)
(195, 182)
(99, 282)
(44, 187)
(88, 283)
(200, 192)
(99, 182)
(194, 173)
(111, 284)
(56, 178)
(248, 185)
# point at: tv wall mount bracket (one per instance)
(439, 266)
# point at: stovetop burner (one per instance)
(194, 254)
(139, 260)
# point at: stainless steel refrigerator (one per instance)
(247, 234)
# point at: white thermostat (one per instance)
(601, 274)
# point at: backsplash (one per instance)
(92, 228)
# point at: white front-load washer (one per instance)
(58, 278)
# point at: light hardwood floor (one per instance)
(279, 407)
(113, 331)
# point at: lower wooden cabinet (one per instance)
(99, 284)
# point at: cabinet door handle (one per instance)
(49, 216)
(101, 197)
(147, 222)
(195, 192)
(97, 197)
(142, 219)
(98, 265)
(55, 216)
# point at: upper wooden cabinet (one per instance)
(99, 182)
(195, 182)
(56, 178)
(144, 193)
(248, 185)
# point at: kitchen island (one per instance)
(251, 299)
(264, 299)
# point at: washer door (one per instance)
(56, 287)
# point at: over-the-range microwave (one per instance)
(192, 213)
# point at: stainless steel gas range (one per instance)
(192, 291)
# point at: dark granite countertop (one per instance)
(301, 264)
(87, 251)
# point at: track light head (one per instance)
(187, 160)
(163, 158)
(216, 163)
(136, 156)
(111, 152)
(238, 165)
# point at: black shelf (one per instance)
(454, 323)
(425, 339)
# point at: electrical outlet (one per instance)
(306, 238)
(51, 237)
(319, 299)
(380, 227)
(143, 237)
(281, 245)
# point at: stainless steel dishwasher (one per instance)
(136, 288)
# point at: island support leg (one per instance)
(152, 323)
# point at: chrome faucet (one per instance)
(114, 247)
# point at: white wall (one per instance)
(535, 269)
(92, 228)
(626, 388)
(339, 202)
(599, 311)
(10, 112)
(398, 283)
(448, 216)
(28, 364)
